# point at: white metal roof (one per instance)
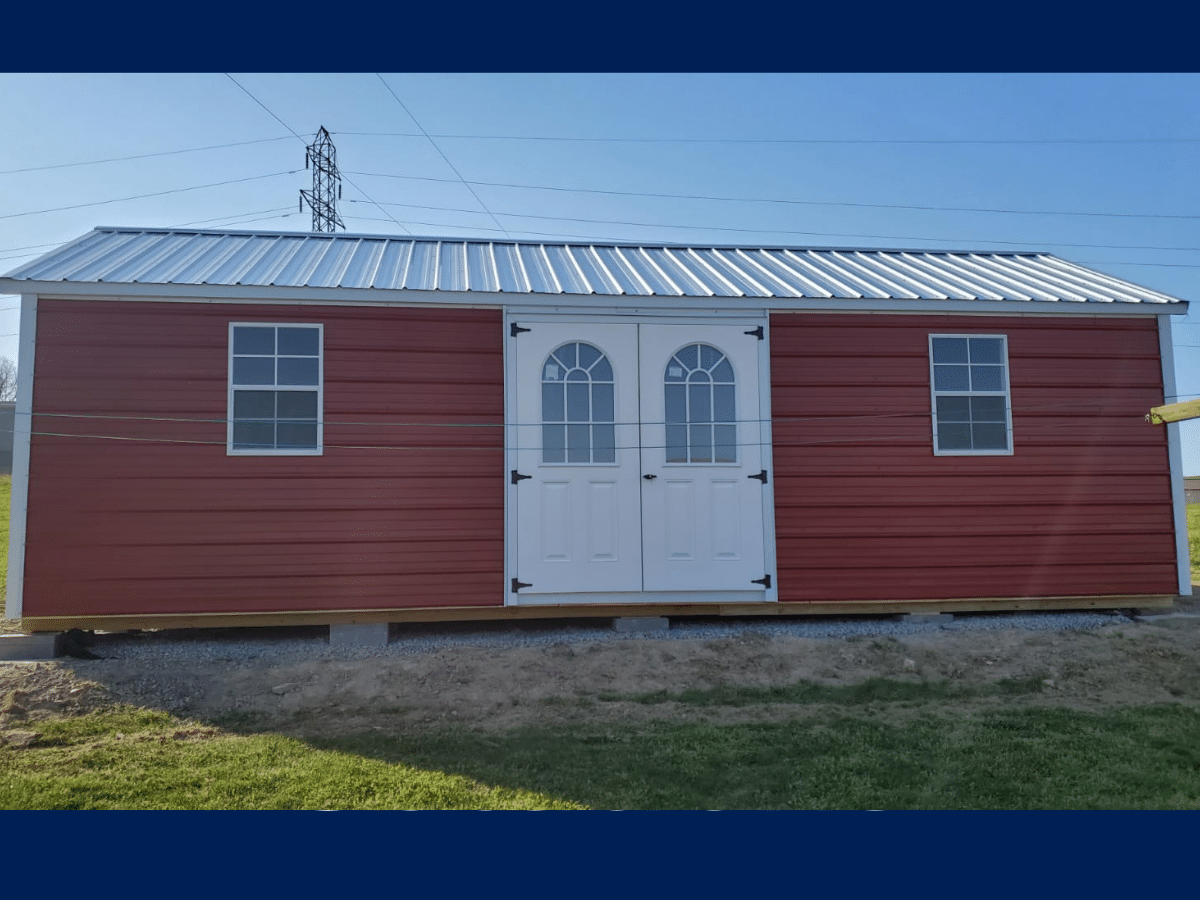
(156, 256)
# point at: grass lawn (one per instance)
(841, 753)
(5, 497)
(1193, 518)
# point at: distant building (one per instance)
(1191, 488)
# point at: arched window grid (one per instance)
(578, 407)
(699, 388)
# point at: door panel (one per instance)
(702, 523)
(578, 514)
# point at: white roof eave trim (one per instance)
(337, 296)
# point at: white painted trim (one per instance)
(625, 304)
(934, 393)
(22, 429)
(511, 444)
(1175, 457)
(770, 558)
(319, 450)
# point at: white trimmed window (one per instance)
(578, 413)
(275, 389)
(972, 412)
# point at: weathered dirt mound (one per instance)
(1149, 660)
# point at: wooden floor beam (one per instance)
(36, 624)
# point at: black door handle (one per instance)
(649, 477)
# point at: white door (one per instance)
(638, 461)
(702, 487)
(576, 486)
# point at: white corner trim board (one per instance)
(1175, 458)
(22, 427)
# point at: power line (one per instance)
(96, 162)
(925, 208)
(281, 210)
(626, 140)
(37, 212)
(440, 153)
(898, 237)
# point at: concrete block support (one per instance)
(20, 647)
(641, 623)
(372, 634)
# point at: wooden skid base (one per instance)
(34, 624)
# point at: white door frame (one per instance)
(522, 317)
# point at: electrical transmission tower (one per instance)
(327, 182)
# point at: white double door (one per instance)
(639, 459)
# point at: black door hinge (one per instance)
(757, 332)
(761, 476)
(516, 329)
(517, 476)
(517, 585)
(765, 581)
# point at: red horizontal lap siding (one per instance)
(403, 509)
(865, 511)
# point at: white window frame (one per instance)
(319, 389)
(934, 393)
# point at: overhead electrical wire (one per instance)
(626, 140)
(901, 237)
(197, 187)
(777, 200)
(96, 162)
(453, 168)
(303, 141)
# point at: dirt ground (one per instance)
(1152, 657)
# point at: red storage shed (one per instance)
(220, 427)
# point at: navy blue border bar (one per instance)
(368, 37)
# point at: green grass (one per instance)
(847, 755)
(138, 759)
(871, 690)
(1193, 519)
(5, 498)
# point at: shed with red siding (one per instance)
(222, 427)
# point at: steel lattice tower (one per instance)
(327, 182)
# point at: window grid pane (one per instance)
(698, 389)
(275, 387)
(578, 407)
(970, 388)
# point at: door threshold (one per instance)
(637, 597)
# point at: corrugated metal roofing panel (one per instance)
(510, 271)
(959, 282)
(740, 281)
(835, 285)
(365, 263)
(683, 278)
(595, 275)
(566, 270)
(537, 270)
(422, 267)
(395, 263)
(481, 267)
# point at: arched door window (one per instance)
(701, 418)
(578, 417)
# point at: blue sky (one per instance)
(993, 161)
